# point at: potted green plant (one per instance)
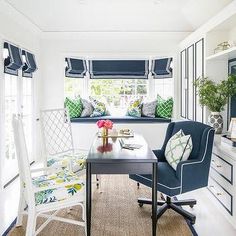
(215, 96)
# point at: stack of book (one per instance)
(128, 144)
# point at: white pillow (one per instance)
(178, 148)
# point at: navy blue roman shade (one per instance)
(30, 64)
(14, 60)
(161, 68)
(118, 69)
(76, 68)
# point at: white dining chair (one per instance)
(45, 190)
(58, 143)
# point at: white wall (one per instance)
(27, 37)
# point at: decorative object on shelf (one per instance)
(227, 140)
(222, 46)
(232, 129)
(215, 96)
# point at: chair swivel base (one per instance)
(172, 204)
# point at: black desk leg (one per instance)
(154, 199)
(88, 198)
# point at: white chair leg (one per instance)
(21, 207)
(31, 223)
(84, 211)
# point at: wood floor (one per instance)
(116, 213)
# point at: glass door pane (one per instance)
(10, 166)
(199, 57)
(190, 75)
(183, 83)
(27, 112)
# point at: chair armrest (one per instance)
(187, 166)
(160, 154)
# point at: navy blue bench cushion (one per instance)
(121, 119)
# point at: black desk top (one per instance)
(113, 153)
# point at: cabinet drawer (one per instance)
(222, 167)
(223, 196)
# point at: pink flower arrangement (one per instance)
(108, 124)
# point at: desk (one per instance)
(110, 158)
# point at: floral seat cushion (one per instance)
(77, 161)
(58, 193)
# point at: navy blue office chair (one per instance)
(189, 175)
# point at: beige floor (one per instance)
(116, 213)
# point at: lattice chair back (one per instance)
(22, 158)
(56, 132)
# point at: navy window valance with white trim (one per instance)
(30, 64)
(14, 60)
(76, 68)
(118, 69)
(161, 68)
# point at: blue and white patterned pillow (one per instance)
(99, 108)
(134, 108)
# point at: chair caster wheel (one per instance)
(97, 186)
(140, 204)
(191, 206)
(192, 222)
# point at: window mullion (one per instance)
(19, 94)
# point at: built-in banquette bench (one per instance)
(153, 129)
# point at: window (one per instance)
(164, 87)
(73, 87)
(117, 93)
(10, 166)
(27, 112)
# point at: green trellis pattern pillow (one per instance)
(164, 107)
(134, 108)
(178, 148)
(74, 106)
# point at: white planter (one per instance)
(216, 121)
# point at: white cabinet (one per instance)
(222, 179)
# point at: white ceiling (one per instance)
(118, 15)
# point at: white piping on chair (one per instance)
(196, 162)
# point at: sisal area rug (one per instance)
(115, 212)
